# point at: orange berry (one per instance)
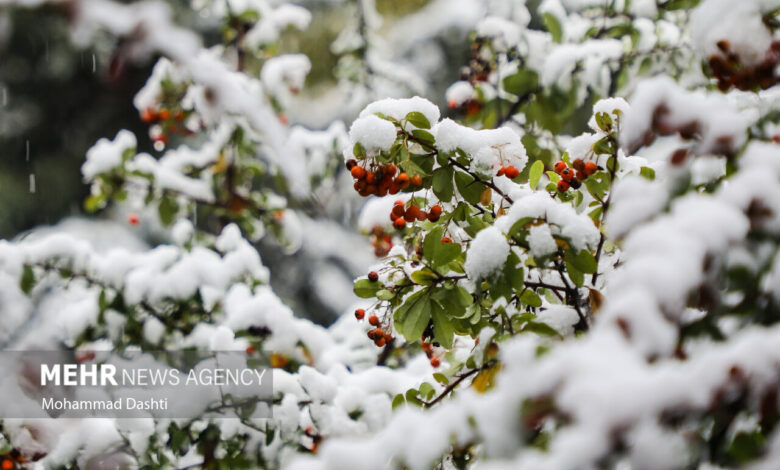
(416, 180)
(402, 180)
(380, 341)
(436, 210)
(435, 362)
(578, 164)
(373, 276)
(8, 464)
(501, 171)
(250, 349)
(148, 115)
(398, 211)
(446, 240)
(559, 167)
(373, 320)
(390, 170)
(358, 172)
(399, 223)
(165, 114)
(394, 188)
(371, 178)
(563, 186)
(567, 175)
(399, 203)
(388, 337)
(378, 333)
(590, 168)
(360, 313)
(511, 172)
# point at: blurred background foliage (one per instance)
(57, 100)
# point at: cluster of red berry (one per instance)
(171, 122)
(381, 241)
(377, 335)
(401, 214)
(573, 177)
(15, 459)
(508, 171)
(730, 72)
(380, 180)
(428, 348)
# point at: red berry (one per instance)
(412, 213)
(575, 183)
(446, 240)
(351, 163)
(8, 464)
(360, 313)
(421, 215)
(416, 180)
(250, 349)
(133, 219)
(559, 167)
(371, 178)
(436, 210)
(399, 223)
(435, 362)
(402, 180)
(433, 217)
(578, 164)
(373, 320)
(390, 170)
(590, 168)
(563, 186)
(398, 211)
(373, 276)
(388, 337)
(165, 114)
(567, 175)
(501, 171)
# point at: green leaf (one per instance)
(358, 151)
(553, 26)
(540, 328)
(437, 252)
(584, 261)
(522, 82)
(604, 121)
(443, 330)
(424, 276)
(535, 173)
(605, 146)
(679, 4)
(384, 294)
(468, 187)
(529, 297)
(441, 378)
(399, 400)
(28, 280)
(442, 183)
(366, 289)
(426, 391)
(167, 209)
(418, 119)
(424, 136)
(575, 274)
(412, 316)
(647, 172)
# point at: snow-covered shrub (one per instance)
(576, 264)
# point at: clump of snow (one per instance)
(399, 108)
(106, 154)
(560, 317)
(505, 34)
(541, 241)
(458, 93)
(373, 133)
(739, 23)
(720, 125)
(491, 147)
(487, 253)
